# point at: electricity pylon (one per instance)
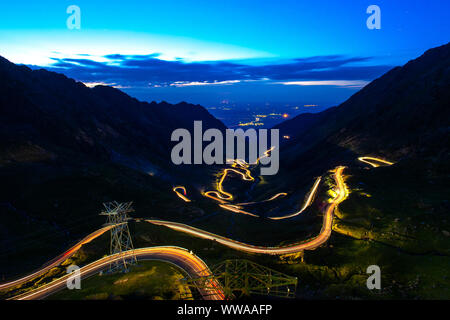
(243, 277)
(117, 216)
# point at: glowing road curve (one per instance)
(192, 265)
(293, 248)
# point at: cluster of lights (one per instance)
(251, 123)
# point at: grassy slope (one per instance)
(395, 217)
(149, 280)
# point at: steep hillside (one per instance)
(403, 113)
(45, 115)
(66, 148)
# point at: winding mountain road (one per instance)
(56, 261)
(192, 265)
(293, 248)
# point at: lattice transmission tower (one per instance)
(117, 217)
(240, 277)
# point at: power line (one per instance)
(117, 216)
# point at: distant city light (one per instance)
(251, 123)
(285, 115)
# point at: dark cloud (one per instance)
(140, 70)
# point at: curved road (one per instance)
(183, 195)
(180, 257)
(97, 266)
(56, 261)
(293, 248)
(237, 208)
(192, 265)
(305, 205)
(374, 161)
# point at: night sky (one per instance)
(232, 56)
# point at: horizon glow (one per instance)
(245, 52)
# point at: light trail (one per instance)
(305, 205)
(223, 197)
(281, 194)
(56, 261)
(191, 264)
(237, 209)
(370, 160)
(159, 253)
(293, 248)
(222, 194)
(217, 196)
(182, 196)
(243, 164)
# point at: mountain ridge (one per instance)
(52, 111)
(399, 114)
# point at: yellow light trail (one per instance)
(243, 164)
(56, 261)
(221, 194)
(182, 196)
(305, 205)
(237, 209)
(202, 269)
(310, 244)
(180, 257)
(223, 197)
(281, 194)
(217, 197)
(369, 160)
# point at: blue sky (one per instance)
(207, 52)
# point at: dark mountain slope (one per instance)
(66, 148)
(403, 113)
(47, 112)
(395, 217)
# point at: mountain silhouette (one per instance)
(404, 113)
(45, 115)
(66, 148)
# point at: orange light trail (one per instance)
(237, 209)
(223, 197)
(305, 205)
(221, 194)
(56, 261)
(194, 261)
(310, 244)
(175, 255)
(370, 160)
(182, 196)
